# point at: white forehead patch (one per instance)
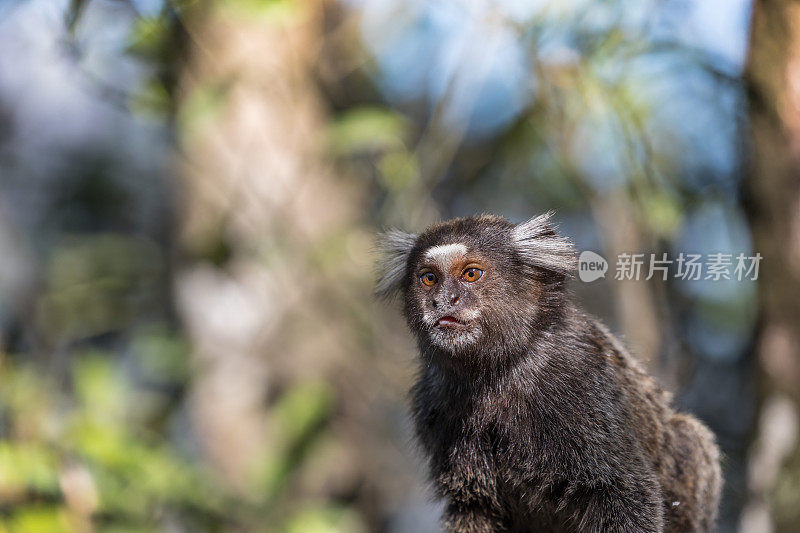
(445, 252)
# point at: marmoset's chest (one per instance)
(492, 465)
(481, 438)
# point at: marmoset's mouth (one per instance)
(449, 321)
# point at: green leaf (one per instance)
(40, 519)
(324, 520)
(149, 36)
(275, 10)
(302, 408)
(367, 129)
(162, 355)
(663, 212)
(100, 389)
(152, 100)
(27, 466)
(399, 170)
(296, 417)
(202, 106)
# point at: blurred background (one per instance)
(189, 194)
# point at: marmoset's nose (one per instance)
(447, 298)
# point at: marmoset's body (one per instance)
(532, 415)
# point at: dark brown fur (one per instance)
(533, 416)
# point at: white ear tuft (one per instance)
(540, 245)
(394, 247)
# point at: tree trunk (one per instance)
(260, 205)
(772, 198)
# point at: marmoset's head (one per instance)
(477, 282)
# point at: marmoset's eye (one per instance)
(428, 279)
(472, 274)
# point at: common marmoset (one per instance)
(532, 414)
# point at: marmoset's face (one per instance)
(463, 285)
(452, 282)
(477, 284)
